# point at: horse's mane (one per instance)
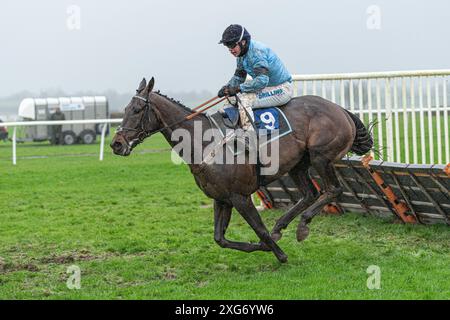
(174, 101)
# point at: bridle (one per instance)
(143, 133)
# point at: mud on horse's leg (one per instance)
(244, 205)
(332, 189)
(222, 216)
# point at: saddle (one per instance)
(267, 121)
(230, 117)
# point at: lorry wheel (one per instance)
(87, 136)
(69, 137)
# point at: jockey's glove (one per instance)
(221, 92)
(232, 91)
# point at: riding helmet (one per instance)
(234, 34)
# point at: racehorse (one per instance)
(323, 132)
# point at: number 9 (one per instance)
(268, 119)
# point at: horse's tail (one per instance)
(363, 142)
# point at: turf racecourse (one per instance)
(139, 228)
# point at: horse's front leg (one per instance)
(247, 209)
(222, 216)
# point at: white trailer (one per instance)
(73, 108)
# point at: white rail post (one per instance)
(414, 129)
(351, 96)
(342, 94)
(405, 121)
(14, 156)
(430, 122)
(361, 100)
(422, 123)
(445, 106)
(324, 90)
(397, 122)
(295, 83)
(388, 115)
(369, 100)
(333, 91)
(379, 120)
(369, 109)
(438, 120)
(102, 140)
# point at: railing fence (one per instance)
(15, 125)
(410, 109)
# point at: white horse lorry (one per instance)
(73, 108)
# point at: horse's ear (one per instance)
(150, 85)
(141, 85)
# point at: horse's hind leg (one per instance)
(331, 187)
(302, 180)
(244, 205)
(222, 216)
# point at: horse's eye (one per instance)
(136, 109)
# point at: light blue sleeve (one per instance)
(261, 69)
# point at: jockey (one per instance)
(271, 83)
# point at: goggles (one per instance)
(230, 45)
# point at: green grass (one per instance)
(139, 227)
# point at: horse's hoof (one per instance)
(276, 236)
(302, 233)
(282, 258)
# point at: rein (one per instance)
(143, 133)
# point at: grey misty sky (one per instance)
(176, 41)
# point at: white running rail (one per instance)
(411, 109)
(52, 123)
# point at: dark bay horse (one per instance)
(323, 132)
